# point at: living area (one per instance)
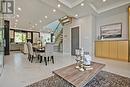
(90, 44)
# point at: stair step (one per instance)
(65, 20)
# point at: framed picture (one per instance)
(111, 31)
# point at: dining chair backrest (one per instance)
(49, 48)
(25, 48)
(77, 52)
(30, 49)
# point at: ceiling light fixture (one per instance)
(46, 17)
(76, 15)
(58, 5)
(54, 10)
(82, 4)
(35, 24)
(104, 0)
(40, 21)
(17, 16)
(16, 20)
(19, 9)
(15, 23)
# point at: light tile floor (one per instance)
(19, 72)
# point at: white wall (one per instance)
(66, 39)
(90, 26)
(118, 15)
(85, 34)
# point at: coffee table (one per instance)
(77, 77)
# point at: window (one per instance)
(35, 37)
(24, 38)
(1, 37)
(20, 37)
(1, 40)
(46, 37)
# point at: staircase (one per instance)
(58, 32)
(65, 20)
(59, 41)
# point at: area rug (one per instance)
(102, 79)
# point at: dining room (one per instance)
(31, 43)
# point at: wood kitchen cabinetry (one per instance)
(105, 49)
(113, 49)
(98, 49)
(123, 50)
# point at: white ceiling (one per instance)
(108, 5)
(32, 12)
(35, 10)
(71, 3)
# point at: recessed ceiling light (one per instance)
(76, 15)
(16, 20)
(40, 21)
(19, 9)
(46, 17)
(14, 26)
(104, 0)
(15, 23)
(17, 16)
(35, 24)
(82, 4)
(54, 10)
(58, 5)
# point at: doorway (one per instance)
(74, 39)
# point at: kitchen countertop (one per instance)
(113, 40)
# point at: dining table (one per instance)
(40, 50)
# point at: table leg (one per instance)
(48, 58)
(45, 60)
(52, 57)
(40, 59)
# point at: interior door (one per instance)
(74, 39)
